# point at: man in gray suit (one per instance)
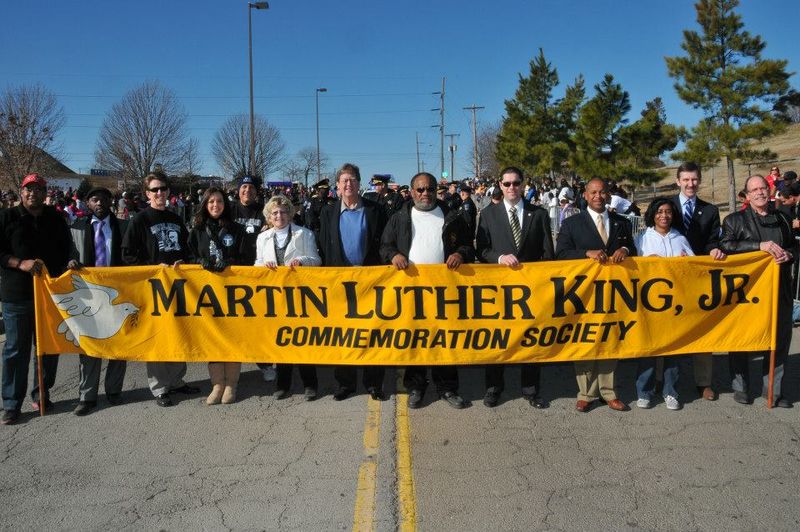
(97, 240)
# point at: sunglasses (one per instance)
(162, 188)
(511, 183)
(422, 190)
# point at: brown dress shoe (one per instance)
(707, 393)
(616, 404)
(583, 406)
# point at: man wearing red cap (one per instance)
(32, 235)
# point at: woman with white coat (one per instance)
(287, 244)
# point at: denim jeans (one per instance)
(646, 377)
(18, 319)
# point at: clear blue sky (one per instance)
(379, 60)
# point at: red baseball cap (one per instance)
(34, 179)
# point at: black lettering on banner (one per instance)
(352, 302)
(666, 299)
(478, 301)
(442, 302)
(176, 292)
(244, 300)
(308, 295)
(281, 338)
(269, 299)
(734, 284)
(521, 302)
(398, 304)
(208, 299)
(419, 302)
(563, 295)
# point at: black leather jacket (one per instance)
(744, 231)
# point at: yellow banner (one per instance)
(541, 312)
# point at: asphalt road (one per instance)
(326, 465)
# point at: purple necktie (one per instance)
(100, 245)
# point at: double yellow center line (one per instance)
(364, 514)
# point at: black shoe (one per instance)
(114, 398)
(9, 417)
(453, 399)
(537, 402)
(376, 394)
(84, 407)
(310, 393)
(342, 394)
(415, 398)
(780, 402)
(186, 390)
(280, 394)
(491, 398)
(741, 398)
(164, 400)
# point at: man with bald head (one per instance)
(762, 227)
(607, 238)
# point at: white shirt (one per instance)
(106, 232)
(281, 235)
(651, 242)
(426, 237)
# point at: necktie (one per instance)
(601, 228)
(687, 213)
(100, 255)
(515, 229)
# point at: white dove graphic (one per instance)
(91, 312)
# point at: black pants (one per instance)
(308, 374)
(445, 378)
(530, 378)
(347, 376)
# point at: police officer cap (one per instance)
(322, 183)
(466, 188)
(402, 188)
(380, 179)
(441, 188)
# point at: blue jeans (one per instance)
(646, 377)
(18, 319)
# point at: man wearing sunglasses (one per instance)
(607, 238)
(512, 232)
(762, 227)
(158, 236)
(428, 232)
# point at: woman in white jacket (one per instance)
(660, 240)
(287, 244)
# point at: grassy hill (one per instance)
(715, 180)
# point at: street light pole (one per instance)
(250, 7)
(316, 94)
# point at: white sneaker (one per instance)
(269, 373)
(672, 403)
(643, 403)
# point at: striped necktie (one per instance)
(515, 228)
(688, 210)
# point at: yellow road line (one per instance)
(364, 514)
(407, 498)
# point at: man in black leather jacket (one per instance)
(762, 227)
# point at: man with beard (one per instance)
(97, 241)
(32, 235)
(427, 232)
(157, 236)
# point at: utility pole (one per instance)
(417, 137)
(453, 148)
(474, 108)
(441, 127)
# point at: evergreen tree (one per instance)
(535, 133)
(597, 133)
(724, 75)
(643, 143)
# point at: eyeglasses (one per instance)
(422, 190)
(162, 188)
(275, 214)
(511, 183)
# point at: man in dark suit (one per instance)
(605, 237)
(509, 233)
(698, 221)
(350, 235)
(97, 241)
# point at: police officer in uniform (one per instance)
(468, 211)
(452, 198)
(314, 206)
(385, 196)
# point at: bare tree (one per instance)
(231, 147)
(487, 151)
(192, 163)
(307, 162)
(30, 119)
(147, 126)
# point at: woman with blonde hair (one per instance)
(287, 244)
